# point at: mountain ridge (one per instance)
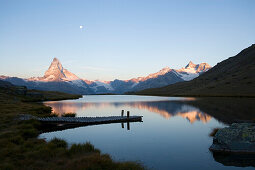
(56, 77)
(234, 76)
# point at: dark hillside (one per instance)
(234, 76)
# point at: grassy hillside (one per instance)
(24, 94)
(232, 77)
(20, 148)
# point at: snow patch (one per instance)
(78, 83)
(188, 76)
(107, 86)
(134, 85)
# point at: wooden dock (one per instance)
(91, 120)
(61, 123)
(85, 120)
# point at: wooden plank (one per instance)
(86, 119)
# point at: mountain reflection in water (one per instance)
(167, 109)
(177, 129)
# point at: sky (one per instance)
(120, 39)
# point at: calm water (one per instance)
(172, 135)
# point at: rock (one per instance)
(238, 138)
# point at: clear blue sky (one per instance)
(121, 38)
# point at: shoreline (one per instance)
(24, 149)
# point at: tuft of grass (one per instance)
(18, 140)
(69, 115)
(59, 143)
(29, 133)
(82, 148)
(53, 114)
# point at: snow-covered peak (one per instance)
(203, 67)
(192, 70)
(55, 60)
(195, 68)
(56, 72)
(153, 75)
(164, 70)
(190, 65)
(161, 72)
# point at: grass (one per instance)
(69, 115)
(37, 95)
(21, 149)
(62, 115)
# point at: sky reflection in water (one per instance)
(172, 135)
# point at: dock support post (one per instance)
(128, 125)
(122, 125)
(122, 113)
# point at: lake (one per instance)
(173, 134)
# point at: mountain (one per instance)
(234, 76)
(168, 76)
(5, 84)
(56, 73)
(192, 70)
(57, 78)
(160, 80)
(165, 76)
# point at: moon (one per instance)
(81, 26)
